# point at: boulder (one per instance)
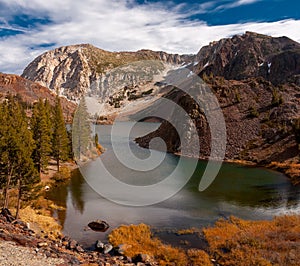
(107, 248)
(72, 244)
(42, 244)
(79, 249)
(7, 214)
(98, 225)
(99, 246)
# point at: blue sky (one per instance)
(28, 28)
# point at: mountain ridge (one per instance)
(251, 55)
(74, 69)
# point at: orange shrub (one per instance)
(239, 242)
(138, 239)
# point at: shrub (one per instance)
(237, 96)
(198, 257)
(253, 112)
(188, 231)
(239, 242)
(276, 98)
(63, 174)
(139, 240)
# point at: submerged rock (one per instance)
(98, 225)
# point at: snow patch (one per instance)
(206, 65)
(190, 74)
(183, 66)
(269, 67)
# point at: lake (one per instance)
(246, 192)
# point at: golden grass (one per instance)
(259, 243)
(40, 222)
(198, 257)
(188, 231)
(139, 239)
(291, 169)
(36, 212)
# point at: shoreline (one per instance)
(290, 168)
(63, 243)
(135, 245)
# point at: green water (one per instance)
(246, 192)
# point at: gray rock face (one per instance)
(77, 69)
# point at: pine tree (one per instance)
(26, 174)
(48, 112)
(4, 126)
(81, 130)
(41, 130)
(60, 142)
(16, 148)
(96, 140)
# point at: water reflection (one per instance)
(246, 192)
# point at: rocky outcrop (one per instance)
(249, 56)
(78, 69)
(256, 81)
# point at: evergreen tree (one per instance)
(96, 140)
(4, 123)
(16, 148)
(60, 142)
(48, 113)
(41, 130)
(81, 130)
(27, 174)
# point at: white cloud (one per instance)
(118, 26)
(235, 4)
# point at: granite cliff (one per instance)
(79, 69)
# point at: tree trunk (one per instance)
(19, 198)
(6, 196)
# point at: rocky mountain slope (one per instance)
(79, 69)
(30, 92)
(255, 79)
(251, 55)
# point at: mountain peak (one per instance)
(73, 69)
(251, 55)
